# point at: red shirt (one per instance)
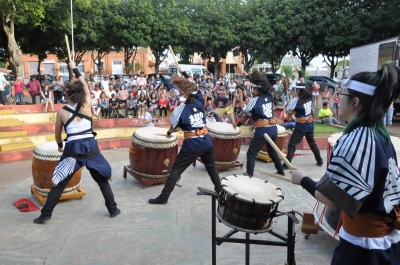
(163, 101)
(34, 87)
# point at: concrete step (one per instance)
(6, 111)
(9, 122)
(12, 134)
(16, 146)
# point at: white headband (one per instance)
(254, 85)
(300, 87)
(193, 92)
(361, 87)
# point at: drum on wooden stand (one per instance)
(280, 142)
(226, 141)
(249, 203)
(151, 153)
(328, 218)
(44, 161)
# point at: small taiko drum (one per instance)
(226, 141)
(249, 203)
(328, 218)
(151, 153)
(44, 161)
(280, 142)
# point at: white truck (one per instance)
(370, 57)
(189, 68)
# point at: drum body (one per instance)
(249, 203)
(226, 141)
(280, 140)
(151, 153)
(44, 161)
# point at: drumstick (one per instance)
(240, 67)
(291, 54)
(173, 55)
(280, 154)
(68, 50)
(261, 170)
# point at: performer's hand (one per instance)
(297, 68)
(244, 73)
(297, 175)
(168, 136)
(72, 65)
(234, 124)
(180, 69)
(60, 150)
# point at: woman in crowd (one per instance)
(103, 105)
(96, 108)
(141, 104)
(326, 95)
(153, 101)
(58, 86)
(46, 95)
(163, 104)
(122, 95)
(19, 89)
(362, 179)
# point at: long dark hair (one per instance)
(387, 82)
(76, 92)
(304, 94)
(261, 80)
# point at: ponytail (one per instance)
(387, 83)
(76, 92)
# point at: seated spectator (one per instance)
(231, 88)
(163, 104)
(288, 124)
(122, 95)
(221, 95)
(210, 118)
(131, 102)
(153, 101)
(96, 108)
(225, 118)
(113, 104)
(325, 114)
(278, 101)
(103, 105)
(141, 105)
(46, 95)
(209, 108)
(173, 103)
(237, 110)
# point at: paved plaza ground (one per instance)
(81, 232)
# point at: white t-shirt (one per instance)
(147, 116)
(2, 81)
(96, 93)
(105, 84)
(232, 87)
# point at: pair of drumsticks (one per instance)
(281, 155)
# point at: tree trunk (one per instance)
(216, 67)
(15, 59)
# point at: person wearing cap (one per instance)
(197, 142)
(105, 83)
(261, 110)
(362, 180)
(141, 80)
(301, 108)
(33, 87)
(325, 114)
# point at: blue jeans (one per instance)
(19, 97)
(224, 99)
(134, 108)
(387, 118)
(289, 125)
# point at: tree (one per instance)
(13, 13)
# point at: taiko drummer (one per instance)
(80, 148)
(191, 119)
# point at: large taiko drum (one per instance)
(151, 153)
(280, 142)
(328, 218)
(226, 141)
(249, 204)
(44, 161)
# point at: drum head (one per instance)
(47, 151)
(249, 189)
(154, 137)
(281, 130)
(333, 138)
(223, 130)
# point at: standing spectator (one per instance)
(141, 80)
(18, 88)
(221, 95)
(45, 81)
(105, 83)
(278, 85)
(141, 104)
(336, 102)
(387, 118)
(131, 105)
(132, 81)
(231, 88)
(315, 93)
(148, 117)
(58, 86)
(325, 114)
(163, 104)
(326, 95)
(46, 98)
(33, 87)
(103, 105)
(227, 78)
(123, 94)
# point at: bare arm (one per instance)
(58, 129)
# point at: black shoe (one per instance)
(118, 211)
(41, 219)
(319, 164)
(158, 200)
(282, 173)
(285, 167)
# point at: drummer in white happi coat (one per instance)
(191, 119)
(261, 110)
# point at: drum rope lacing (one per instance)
(154, 144)
(54, 157)
(225, 163)
(224, 136)
(45, 192)
(147, 175)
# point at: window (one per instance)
(48, 68)
(64, 68)
(33, 68)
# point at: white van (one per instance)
(189, 68)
